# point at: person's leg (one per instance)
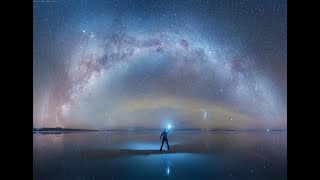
(167, 144)
(161, 144)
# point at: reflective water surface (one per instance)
(135, 155)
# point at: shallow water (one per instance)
(135, 155)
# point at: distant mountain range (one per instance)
(60, 129)
(188, 129)
(45, 129)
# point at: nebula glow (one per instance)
(122, 64)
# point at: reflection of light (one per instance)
(268, 130)
(136, 145)
(168, 171)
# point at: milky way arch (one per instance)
(192, 63)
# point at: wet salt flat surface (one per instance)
(135, 155)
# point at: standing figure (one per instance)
(165, 138)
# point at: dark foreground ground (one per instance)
(135, 155)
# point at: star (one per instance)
(140, 53)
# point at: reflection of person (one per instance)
(165, 138)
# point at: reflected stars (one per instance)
(251, 171)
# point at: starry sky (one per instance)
(143, 64)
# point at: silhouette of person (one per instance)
(165, 138)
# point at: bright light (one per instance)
(169, 126)
(168, 171)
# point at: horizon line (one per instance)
(154, 129)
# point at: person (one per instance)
(164, 134)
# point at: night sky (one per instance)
(194, 64)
